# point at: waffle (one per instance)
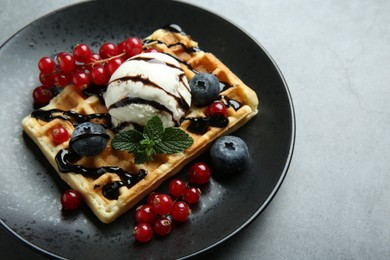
(177, 44)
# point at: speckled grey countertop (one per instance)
(335, 56)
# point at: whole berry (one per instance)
(229, 154)
(113, 65)
(82, 53)
(80, 80)
(66, 62)
(180, 211)
(162, 204)
(46, 79)
(108, 50)
(89, 139)
(177, 187)
(162, 226)
(216, 108)
(191, 195)
(42, 96)
(46, 65)
(59, 134)
(143, 232)
(151, 197)
(145, 213)
(199, 173)
(62, 79)
(133, 46)
(71, 199)
(204, 89)
(94, 57)
(100, 75)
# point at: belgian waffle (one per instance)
(193, 60)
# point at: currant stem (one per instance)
(104, 60)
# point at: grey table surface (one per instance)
(335, 56)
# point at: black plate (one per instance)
(30, 188)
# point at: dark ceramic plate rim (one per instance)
(275, 188)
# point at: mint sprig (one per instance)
(155, 139)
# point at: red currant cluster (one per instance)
(161, 210)
(83, 67)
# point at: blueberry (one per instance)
(229, 154)
(89, 139)
(204, 89)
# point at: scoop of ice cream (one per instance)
(146, 85)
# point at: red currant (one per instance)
(145, 213)
(46, 65)
(59, 134)
(162, 226)
(180, 211)
(177, 187)
(192, 195)
(99, 75)
(71, 199)
(82, 53)
(66, 62)
(151, 197)
(46, 79)
(108, 50)
(143, 232)
(199, 173)
(133, 46)
(113, 64)
(80, 80)
(122, 47)
(94, 57)
(41, 96)
(216, 108)
(62, 79)
(162, 204)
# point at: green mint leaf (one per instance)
(127, 140)
(154, 140)
(174, 140)
(154, 129)
(142, 156)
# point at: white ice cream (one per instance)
(146, 85)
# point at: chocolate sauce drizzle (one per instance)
(71, 116)
(228, 102)
(65, 160)
(200, 125)
(145, 81)
(95, 90)
(136, 100)
(172, 27)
